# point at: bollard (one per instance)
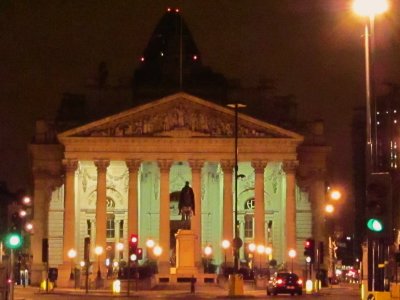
(192, 285)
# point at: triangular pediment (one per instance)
(179, 115)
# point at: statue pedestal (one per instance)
(185, 252)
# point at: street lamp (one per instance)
(150, 244)
(157, 251)
(237, 242)
(252, 248)
(225, 245)
(329, 208)
(268, 251)
(207, 252)
(292, 254)
(369, 9)
(72, 255)
(26, 200)
(99, 251)
(260, 251)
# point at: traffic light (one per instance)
(309, 249)
(379, 206)
(86, 249)
(16, 222)
(45, 250)
(321, 252)
(13, 240)
(133, 244)
(139, 253)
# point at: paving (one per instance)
(179, 291)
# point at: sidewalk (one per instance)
(201, 291)
(181, 291)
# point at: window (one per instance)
(121, 229)
(89, 227)
(110, 227)
(248, 226)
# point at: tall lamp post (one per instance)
(99, 251)
(72, 255)
(236, 284)
(292, 254)
(369, 9)
(237, 242)
(225, 245)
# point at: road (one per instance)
(30, 293)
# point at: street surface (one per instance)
(342, 292)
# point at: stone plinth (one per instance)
(185, 252)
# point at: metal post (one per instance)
(11, 294)
(87, 277)
(236, 254)
(129, 276)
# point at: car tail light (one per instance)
(279, 281)
(300, 282)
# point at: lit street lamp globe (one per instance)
(292, 253)
(260, 249)
(157, 250)
(207, 250)
(252, 247)
(329, 208)
(72, 253)
(150, 243)
(370, 8)
(226, 244)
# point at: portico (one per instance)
(122, 172)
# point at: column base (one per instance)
(235, 283)
(64, 278)
(38, 274)
(164, 267)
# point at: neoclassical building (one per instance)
(122, 175)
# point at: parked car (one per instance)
(285, 283)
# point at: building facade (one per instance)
(121, 175)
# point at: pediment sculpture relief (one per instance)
(190, 118)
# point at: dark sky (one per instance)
(312, 48)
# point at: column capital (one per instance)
(196, 164)
(227, 165)
(102, 164)
(133, 165)
(290, 166)
(164, 164)
(259, 165)
(70, 165)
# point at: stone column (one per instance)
(69, 208)
(101, 204)
(290, 169)
(197, 166)
(40, 223)
(133, 213)
(317, 198)
(259, 209)
(163, 261)
(227, 167)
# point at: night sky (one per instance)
(311, 48)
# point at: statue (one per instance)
(186, 202)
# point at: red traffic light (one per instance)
(134, 239)
(139, 253)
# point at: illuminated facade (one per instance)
(121, 174)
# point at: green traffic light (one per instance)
(375, 225)
(13, 240)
